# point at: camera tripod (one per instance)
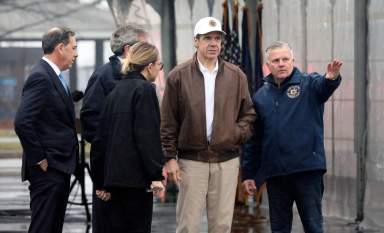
(80, 179)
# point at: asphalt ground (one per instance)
(15, 213)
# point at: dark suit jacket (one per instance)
(100, 84)
(45, 122)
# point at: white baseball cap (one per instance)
(206, 25)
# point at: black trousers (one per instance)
(303, 188)
(99, 215)
(129, 210)
(49, 193)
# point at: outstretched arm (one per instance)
(333, 69)
(325, 85)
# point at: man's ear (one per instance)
(195, 42)
(267, 64)
(59, 47)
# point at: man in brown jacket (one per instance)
(206, 115)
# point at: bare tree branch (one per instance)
(53, 16)
(25, 7)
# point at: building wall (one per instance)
(15, 63)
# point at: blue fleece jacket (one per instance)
(289, 132)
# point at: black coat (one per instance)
(45, 122)
(100, 84)
(127, 148)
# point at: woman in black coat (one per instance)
(127, 166)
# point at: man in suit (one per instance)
(45, 125)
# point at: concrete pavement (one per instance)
(14, 210)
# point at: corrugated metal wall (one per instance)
(374, 201)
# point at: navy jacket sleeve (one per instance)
(324, 87)
(97, 158)
(251, 152)
(93, 103)
(147, 131)
(32, 103)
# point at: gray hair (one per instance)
(125, 35)
(277, 45)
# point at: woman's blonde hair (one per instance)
(139, 56)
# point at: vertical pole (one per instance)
(278, 3)
(73, 77)
(304, 5)
(168, 35)
(99, 55)
(361, 101)
(252, 15)
(332, 97)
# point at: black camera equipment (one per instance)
(82, 165)
(77, 96)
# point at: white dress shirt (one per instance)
(209, 86)
(53, 65)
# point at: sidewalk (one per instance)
(14, 210)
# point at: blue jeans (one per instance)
(303, 188)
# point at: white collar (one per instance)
(53, 65)
(204, 69)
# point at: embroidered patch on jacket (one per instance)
(293, 91)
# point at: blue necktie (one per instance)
(64, 83)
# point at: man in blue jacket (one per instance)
(287, 147)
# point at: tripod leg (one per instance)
(84, 201)
(88, 169)
(73, 184)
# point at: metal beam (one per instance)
(168, 35)
(99, 53)
(361, 101)
(73, 77)
(166, 10)
(304, 6)
(252, 14)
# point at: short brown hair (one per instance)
(55, 36)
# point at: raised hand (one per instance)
(333, 69)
